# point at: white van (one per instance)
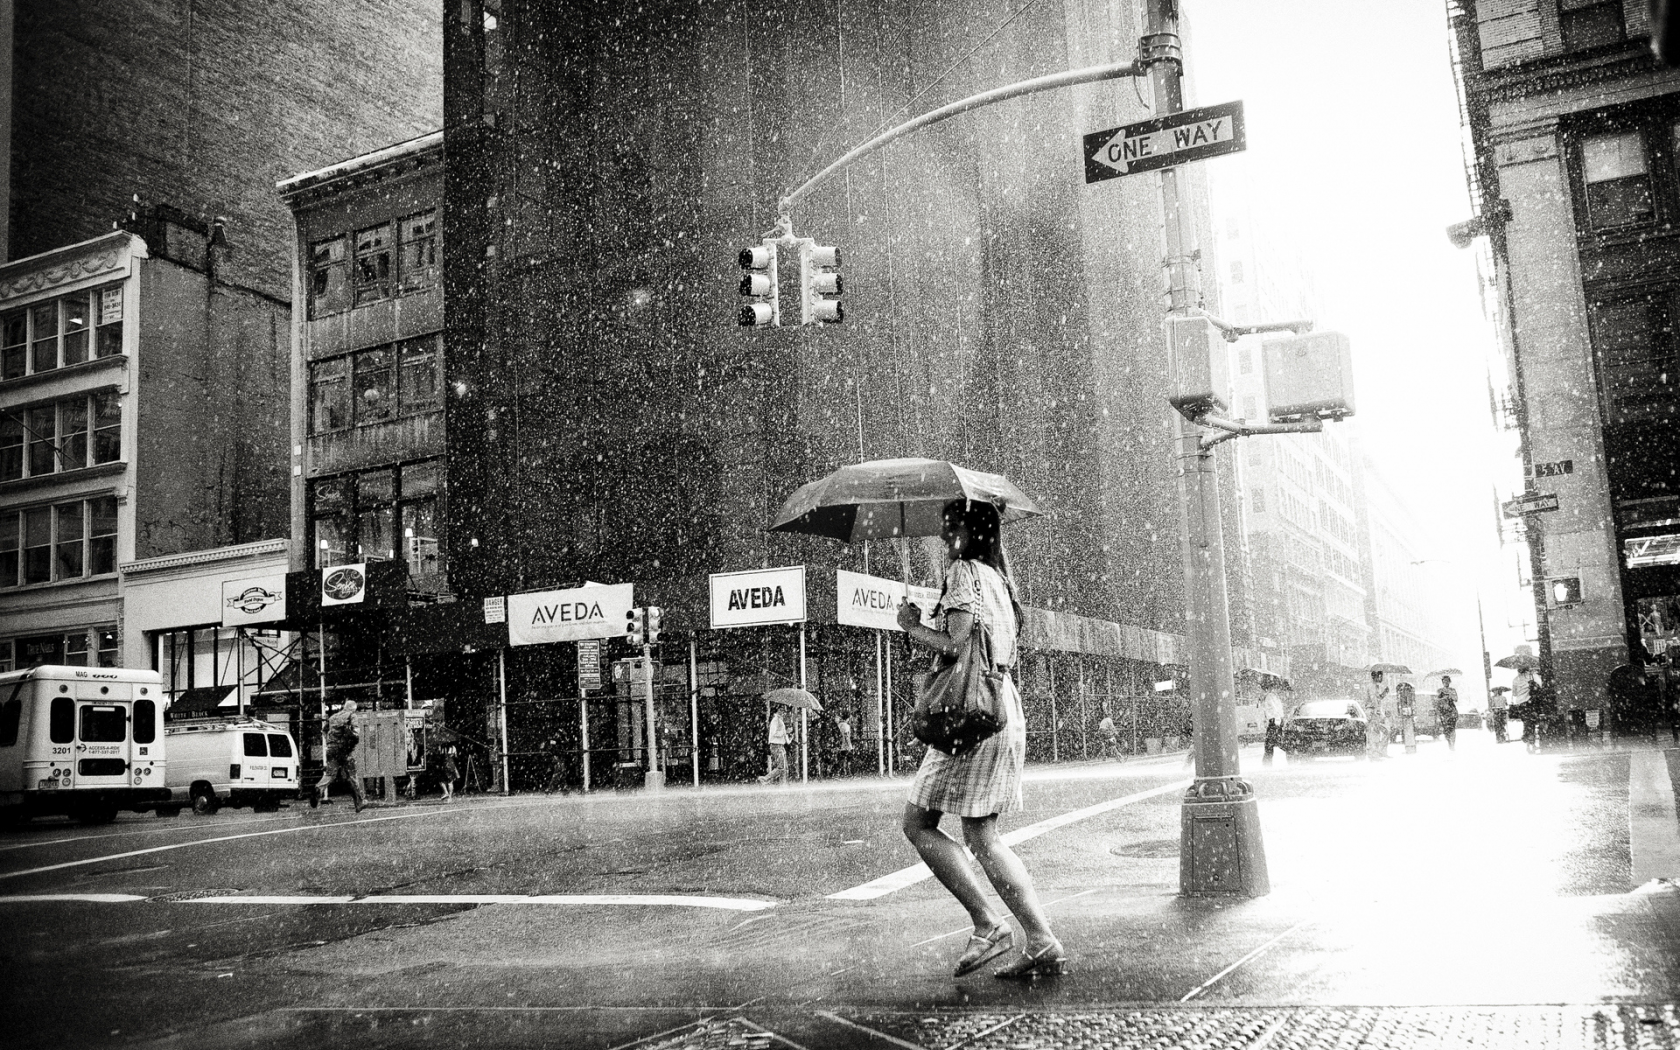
(221, 762)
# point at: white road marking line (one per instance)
(884, 1037)
(653, 900)
(898, 880)
(258, 834)
(94, 898)
(132, 830)
(1256, 953)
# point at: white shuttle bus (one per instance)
(82, 742)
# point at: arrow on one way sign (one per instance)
(1178, 138)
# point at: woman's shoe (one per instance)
(1050, 959)
(980, 949)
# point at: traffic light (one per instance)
(818, 279)
(758, 283)
(653, 617)
(1565, 590)
(635, 626)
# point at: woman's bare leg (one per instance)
(949, 864)
(1009, 877)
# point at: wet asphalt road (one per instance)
(1488, 876)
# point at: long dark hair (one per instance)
(985, 542)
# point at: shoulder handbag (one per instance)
(962, 703)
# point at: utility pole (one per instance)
(1220, 846)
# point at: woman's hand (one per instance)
(909, 615)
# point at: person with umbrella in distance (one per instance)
(984, 782)
(1497, 714)
(778, 738)
(1446, 711)
(1376, 726)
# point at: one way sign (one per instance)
(1179, 138)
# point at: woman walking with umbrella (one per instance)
(898, 498)
(986, 781)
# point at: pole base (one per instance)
(655, 780)
(1220, 850)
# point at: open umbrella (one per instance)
(1519, 662)
(1445, 671)
(886, 498)
(1390, 668)
(792, 696)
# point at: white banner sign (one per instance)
(571, 615)
(758, 597)
(872, 601)
(344, 584)
(260, 599)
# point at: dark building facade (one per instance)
(609, 421)
(1574, 128)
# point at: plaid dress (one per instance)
(986, 780)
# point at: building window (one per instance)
(1245, 360)
(47, 439)
(66, 331)
(43, 337)
(1237, 272)
(69, 541)
(376, 385)
(392, 258)
(37, 545)
(69, 647)
(1637, 359)
(1617, 178)
(418, 263)
(1258, 500)
(102, 535)
(421, 379)
(1591, 24)
(107, 423)
(380, 515)
(329, 395)
(373, 263)
(14, 344)
(108, 342)
(329, 277)
(67, 548)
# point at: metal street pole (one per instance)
(501, 715)
(655, 778)
(1220, 846)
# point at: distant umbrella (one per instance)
(1518, 662)
(1445, 671)
(1390, 668)
(794, 697)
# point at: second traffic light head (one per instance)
(818, 280)
(635, 626)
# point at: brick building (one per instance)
(203, 106)
(1573, 129)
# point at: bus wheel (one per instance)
(204, 801)
(99, 813)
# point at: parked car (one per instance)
(1324, 727)
(215, 762)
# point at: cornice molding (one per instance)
(216, 554)
(65, 265)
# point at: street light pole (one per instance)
(1220, 845)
